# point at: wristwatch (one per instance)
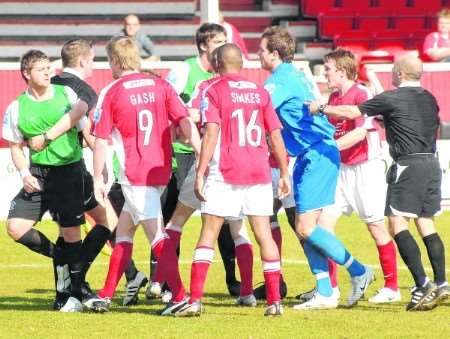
(322, 108)
(46, 138)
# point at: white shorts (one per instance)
(361, 189)
(142, 202)
(289, 201)
(187, 196)
(234, 201)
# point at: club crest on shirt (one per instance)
(204, 104)
(97, 114)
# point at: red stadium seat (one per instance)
(312, 8)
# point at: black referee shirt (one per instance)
(83, 90)
(411, 118)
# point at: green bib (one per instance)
(195, 75)
(37, 117)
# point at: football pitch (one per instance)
(27, 291)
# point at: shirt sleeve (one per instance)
(364, 121)
(379, 104)
(178, 77)
(103, 115)
(10, 130)
(148, 46)
(196, 96)
(271, 121)
(175, 107)
(209, 108)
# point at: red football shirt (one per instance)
(435, 40)
(135, 110)
(245, 114)
(366, 149)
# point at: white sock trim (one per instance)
(175, 228)
(271, 266)
(203, 254)
(274, 224)
(124, 239)
(241, 241)
(349, 262)
(322, 275)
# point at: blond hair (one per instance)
(444, 13)
(125, 53)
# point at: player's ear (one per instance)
(203, 47)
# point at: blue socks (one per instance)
(331, 247)
(319, 267)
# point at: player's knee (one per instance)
(14, 231)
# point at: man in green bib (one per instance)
(53, 177)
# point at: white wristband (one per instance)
(24, 172)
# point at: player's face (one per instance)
(217, 41)
(39, 74)
(444, 25)
(333, 75)
(132, 26)
(265, 56)
(115, 69)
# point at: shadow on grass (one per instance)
(40, 291)
(25, 304)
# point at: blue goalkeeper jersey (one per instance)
(289, 90)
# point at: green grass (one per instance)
(26, 295)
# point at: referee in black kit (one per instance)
(411, 119)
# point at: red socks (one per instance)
(203, 257)
(119, 260)
(271, 270)
(165, 254)
(388, 261)
(244, 258)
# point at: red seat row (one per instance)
(312, 8)
(329, 26)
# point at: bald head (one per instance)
(228, 59)
(410, 66)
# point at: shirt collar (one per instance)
(284, 67)
(73, 71)
(410, 84)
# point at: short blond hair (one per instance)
(125, 52)
(444, 13)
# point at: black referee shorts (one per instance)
(62, 195)
(414, 186)
(89, 200)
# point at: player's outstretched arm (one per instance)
(209, 143)
(67, 121)
(100, 151)
(190, 131)
(341, 111)
(351, 138)
(279, 152)
(30, 183)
